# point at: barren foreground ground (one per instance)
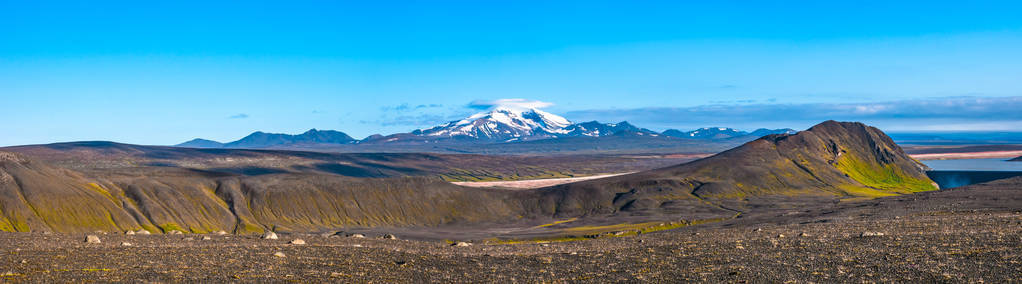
(963, 235)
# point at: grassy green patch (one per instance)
(171, 227)
(556, 222)
(885, 180)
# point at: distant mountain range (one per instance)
(261, 139)
(499, 125)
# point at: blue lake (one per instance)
(974, 165)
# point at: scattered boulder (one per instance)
(297, 242)
(871, 234)
(175, 232)
(461, 244)
(331, 234)
(780, 235)
(206, 238)
(389, 237)
(125, 244)
(92, 239)
(279, 254)
(803, 234)
(357, 236)
(143, 232)
(129, 232)
(220, 232)
(270, 235)
(758, 230)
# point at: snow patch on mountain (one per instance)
(503, 123)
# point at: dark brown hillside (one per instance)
(37, 197)
(830, 161)
(34, 196)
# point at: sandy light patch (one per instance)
(533, 183)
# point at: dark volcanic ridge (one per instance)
(829, 162)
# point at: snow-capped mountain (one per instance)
(503, 124)
(506, 123)
(597, 129)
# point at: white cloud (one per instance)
(518, 103)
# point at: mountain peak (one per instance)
(503, 123)
(201, 143)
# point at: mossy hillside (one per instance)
(886, 177)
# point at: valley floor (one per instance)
(963, 235)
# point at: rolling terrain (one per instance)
(968, 234)
(102, 158)
(120, 187)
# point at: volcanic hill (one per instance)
(830, 161)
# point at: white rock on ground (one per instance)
(389, 237)
(357, 236)
(270, 236)
(871, 234)
(279, 254)
(143, 232)
(221, 232)
(175, 232)
(297, 242)
(206, 238)
(125, 244)
(92, 239)
(129, 232)
(461, 244)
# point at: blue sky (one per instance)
(163, 73)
